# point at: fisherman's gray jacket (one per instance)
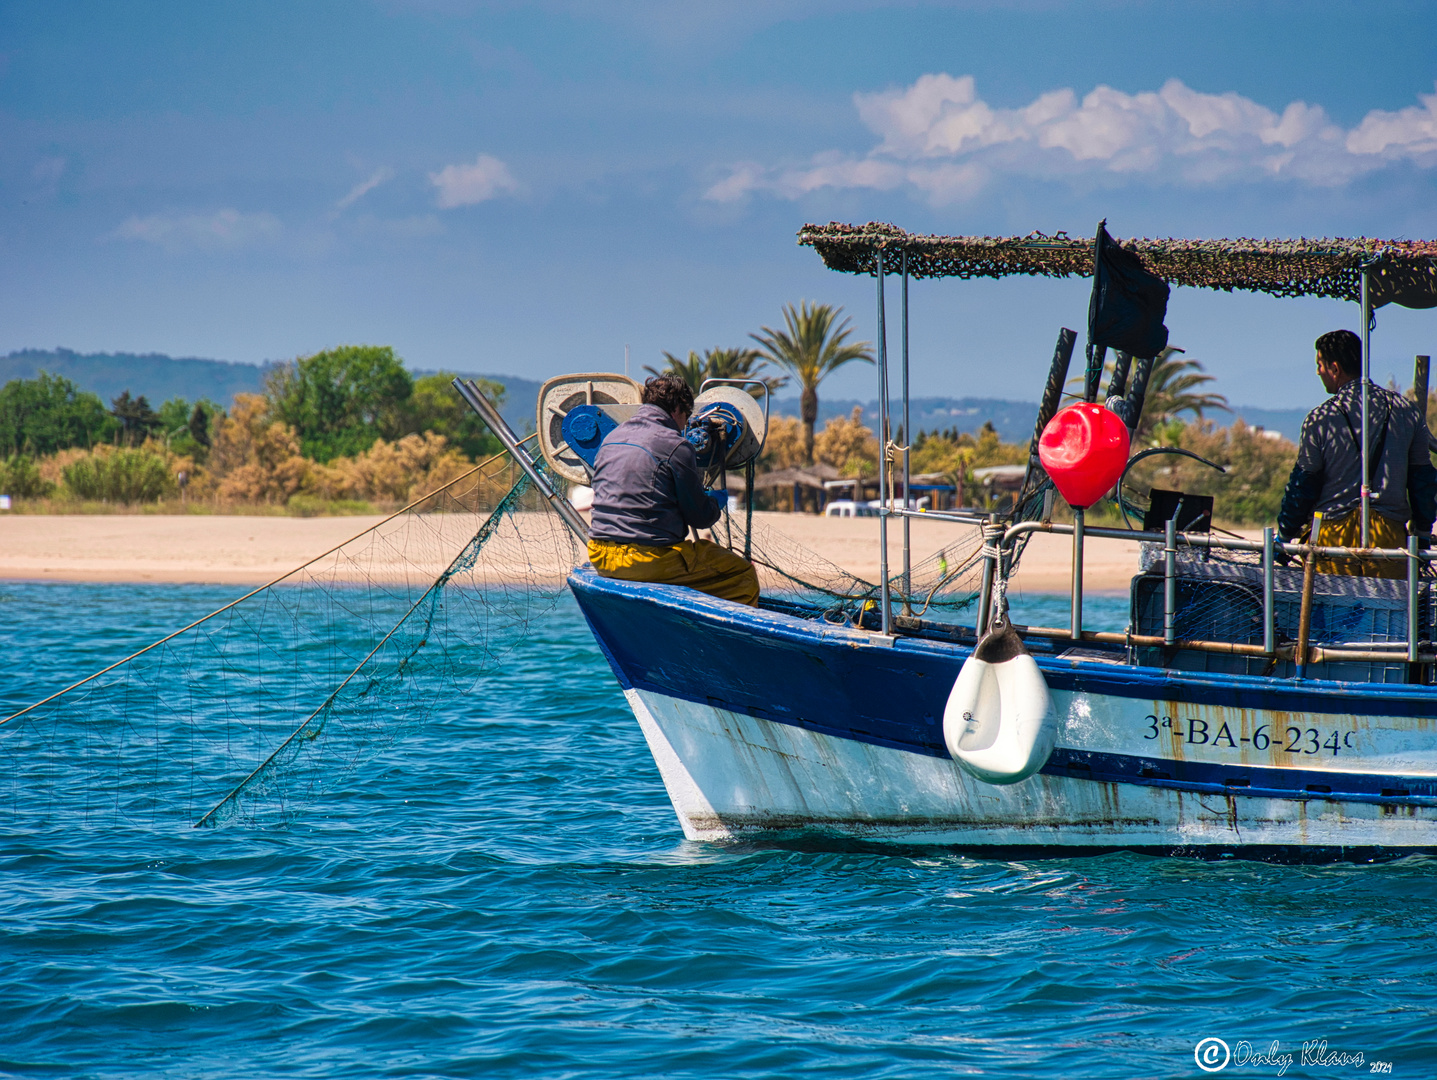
(1328, 472)
(647, 485)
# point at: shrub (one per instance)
(20, 477)
(254, 457)
(120, 476)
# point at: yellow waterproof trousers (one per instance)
(704, 566)
(1346, 531)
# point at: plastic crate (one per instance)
(1221, 601)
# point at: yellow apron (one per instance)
(704, 566)
(1346, 531)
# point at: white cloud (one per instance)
(464, 185)
(363, 188)
(223, 229)
(939, 137)
(1409, 132)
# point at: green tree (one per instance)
(436, 406)
(719, 364)
(43, 415)
(813, 345)
(186, 428)
(341, 400)
(136, 417)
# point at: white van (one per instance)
(849, 508)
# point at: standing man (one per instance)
(1328, 474)
(648, 492)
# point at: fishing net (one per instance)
(260, 708)
(799, 581)
(269, 702)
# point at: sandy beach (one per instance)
(252, 550)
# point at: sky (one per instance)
(528, 188)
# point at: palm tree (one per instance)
(812, 347)
(1173, 390)
(718, 364)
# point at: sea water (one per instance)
(506, 893)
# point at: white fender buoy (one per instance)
(999, 723)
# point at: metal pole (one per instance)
(1076, 618)
(1170, 577)
(1269, 616)
(490, 415)
(1366, 377)
(907, 442)
(885, 616)
(748, 512)
(985, 594)
(1412, 599)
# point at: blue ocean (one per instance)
(505, 892)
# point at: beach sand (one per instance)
(225, 549)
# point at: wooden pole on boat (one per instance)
(885, 615)
(1075, 619)
(1365, 490)
(1052, 398)
(907, 442)
(1420, 366)
(1304, 614)
(1118, 385)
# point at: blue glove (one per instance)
(720, 497)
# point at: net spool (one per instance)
(727, 429)
(619, 396)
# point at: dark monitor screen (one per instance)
(1193, 512)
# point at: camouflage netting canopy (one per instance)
(1405, 271)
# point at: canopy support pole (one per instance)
(1366, 380)
(907, 442)
(885, 615)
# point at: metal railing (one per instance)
(1301, 653)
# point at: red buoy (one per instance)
(1085, 449)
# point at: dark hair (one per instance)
(1343, 348)
(669, 393)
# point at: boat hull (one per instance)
(766, 723)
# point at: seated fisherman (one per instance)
(1328, 474)
(648, 491)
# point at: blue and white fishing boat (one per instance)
(1248, 709)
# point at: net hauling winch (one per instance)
(727, 428)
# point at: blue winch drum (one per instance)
(585, 427)
(710, 452)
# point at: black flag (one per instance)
(1128, 305)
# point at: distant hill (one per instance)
(161, 377)
(1013, 420)
(156, 376)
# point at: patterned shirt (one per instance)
(1328, 472)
